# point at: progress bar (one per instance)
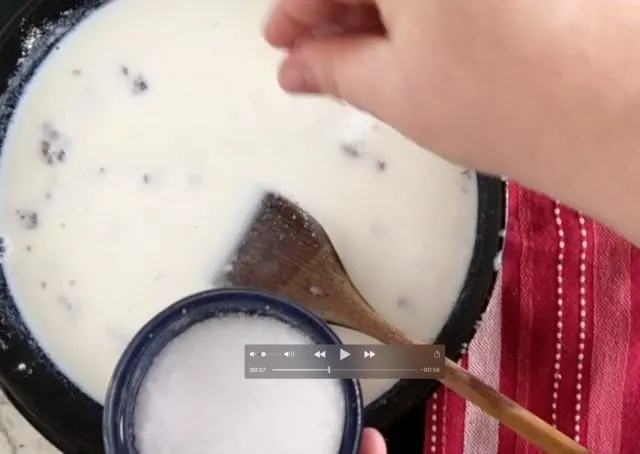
(329, 369)
(344, 361)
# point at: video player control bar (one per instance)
(344, 361)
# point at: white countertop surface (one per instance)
(16, 434)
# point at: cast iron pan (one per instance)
(70, 419)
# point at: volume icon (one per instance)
(289, 354)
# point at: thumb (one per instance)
(372, 442)
(358, 69)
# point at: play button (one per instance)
(344, 354)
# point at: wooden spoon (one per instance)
(287, 251)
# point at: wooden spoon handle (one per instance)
(509, 413)
(489, 400)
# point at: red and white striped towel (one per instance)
(561, 337)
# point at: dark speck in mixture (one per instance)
(63, 225)
(65, 302)
(47, 195)
(381, 165)
(72, 282)
(404, 303)
(102, 170)
(50, 132)
(140, 85)
(151, 178)
(350, 150)
(467, 173)
(51, 145)
(45, 150)
(28, 219)
(28, 248)
(43, 285)
(76, 73)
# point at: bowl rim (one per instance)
(190, 311)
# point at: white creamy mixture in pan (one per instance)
(132, 164)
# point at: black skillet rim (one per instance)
(41, 391)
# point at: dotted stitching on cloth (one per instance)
(557, 377)
(583, 322)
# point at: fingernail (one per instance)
(296, 77)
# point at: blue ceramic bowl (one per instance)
(137, 358)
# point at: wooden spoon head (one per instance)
(286, 251)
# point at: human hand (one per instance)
(372, 442)
(541, 91)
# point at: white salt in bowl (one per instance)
(138, 377)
